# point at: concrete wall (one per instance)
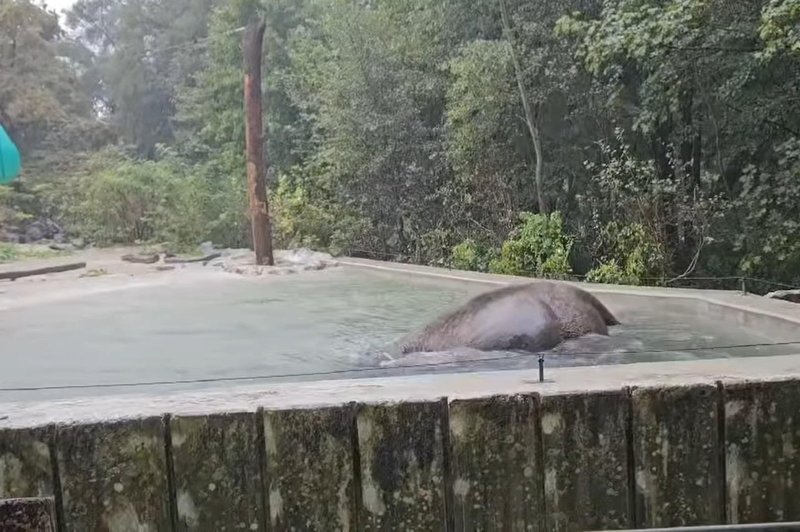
(647, 457)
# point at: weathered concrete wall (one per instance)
(217, 472)
(496, 464)
(659, 456)
(402, 467)
(762, 451)
(113, 476)
(311, 460)
(586, 476)
(26, 469)
(676, 448)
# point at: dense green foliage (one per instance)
(635, 141)
(538, 247)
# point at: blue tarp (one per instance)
(10, 165)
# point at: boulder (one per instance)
(792, 296)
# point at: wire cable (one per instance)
(361, 370)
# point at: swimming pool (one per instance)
(330, 324)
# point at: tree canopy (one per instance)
(629, 140)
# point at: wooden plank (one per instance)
(497, 476)
(218, 478)
(13, 276)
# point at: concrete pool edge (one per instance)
(772, 308)
(693, 453)
(310, 394)
(665, 443)
(398, 389)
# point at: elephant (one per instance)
(529, 317)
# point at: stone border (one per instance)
(733, 300)
(430, 387)
(651, 444)
(637, 457)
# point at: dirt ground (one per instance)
(106, 271)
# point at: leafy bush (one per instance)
(608, 273)
(633, 208)
(539, 247)
(228, 219)
(769, 204)
(628, 255)
(297, 221)
(465, 256)
(301, 219)
(116, 199)
(433, 247)
(17, 205)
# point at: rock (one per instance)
(33, 233)
(98, 272)
(10, 235)
(792, 296)
(207, 248)
(41, 229)
(78, 243)
(141, 259)
(242, 262)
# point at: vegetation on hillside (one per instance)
(629, 140)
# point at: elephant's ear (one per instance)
(606, 314)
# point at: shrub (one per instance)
(465, 256)
(768, 207)
(609, 273)
(116, 199)
(628, 255)
(297, 221)
(539, 247)
(303, 220)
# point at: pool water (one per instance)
(329, 324)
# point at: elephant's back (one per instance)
(499, 320)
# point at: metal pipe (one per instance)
(541, 368)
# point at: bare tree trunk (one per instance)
(530, 116)
(254, 141)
